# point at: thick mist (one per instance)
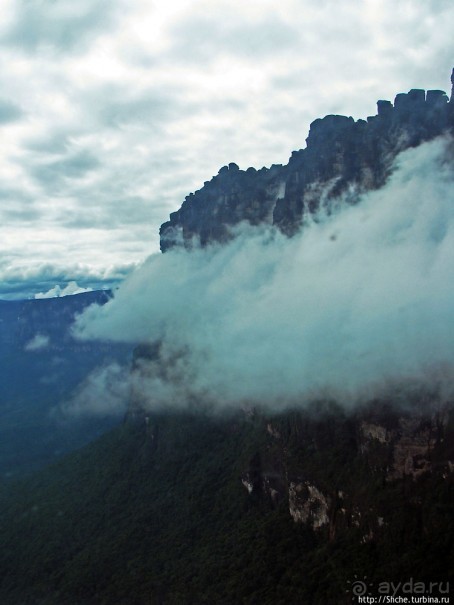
(104, 392)
(361, 298)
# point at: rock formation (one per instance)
(341, 157)
(328, 468)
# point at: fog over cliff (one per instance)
(362, 296)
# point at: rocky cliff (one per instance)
(342, 157)
(338, 472)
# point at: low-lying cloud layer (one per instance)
(69, 290)
(362, 297)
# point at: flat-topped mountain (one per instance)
(315, 499)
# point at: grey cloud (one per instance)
(75, 166)
(136, 192)
(437, 6)
(54, 142)
(23, 215)
(111, 212)
(14, 194)
(148, 109)
(9, 112)
(58, 24)
(17, 206)
(204, 39)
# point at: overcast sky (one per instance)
(111, 111)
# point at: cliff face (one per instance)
(338, 472)
(342, 157)
(155, 512)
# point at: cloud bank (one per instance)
(69, 290)
(48, 279)
(362, 296)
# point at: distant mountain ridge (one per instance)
(20, 320)
(342, 157)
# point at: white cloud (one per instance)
(37, 343)
(105, 392)
(26, 281)
(57, 291)
(116, 110)
(360, 298)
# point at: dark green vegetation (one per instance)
(37, 376)
(155, 513)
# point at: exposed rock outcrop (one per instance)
(407, 447)
(329, 467)
(307, 504)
